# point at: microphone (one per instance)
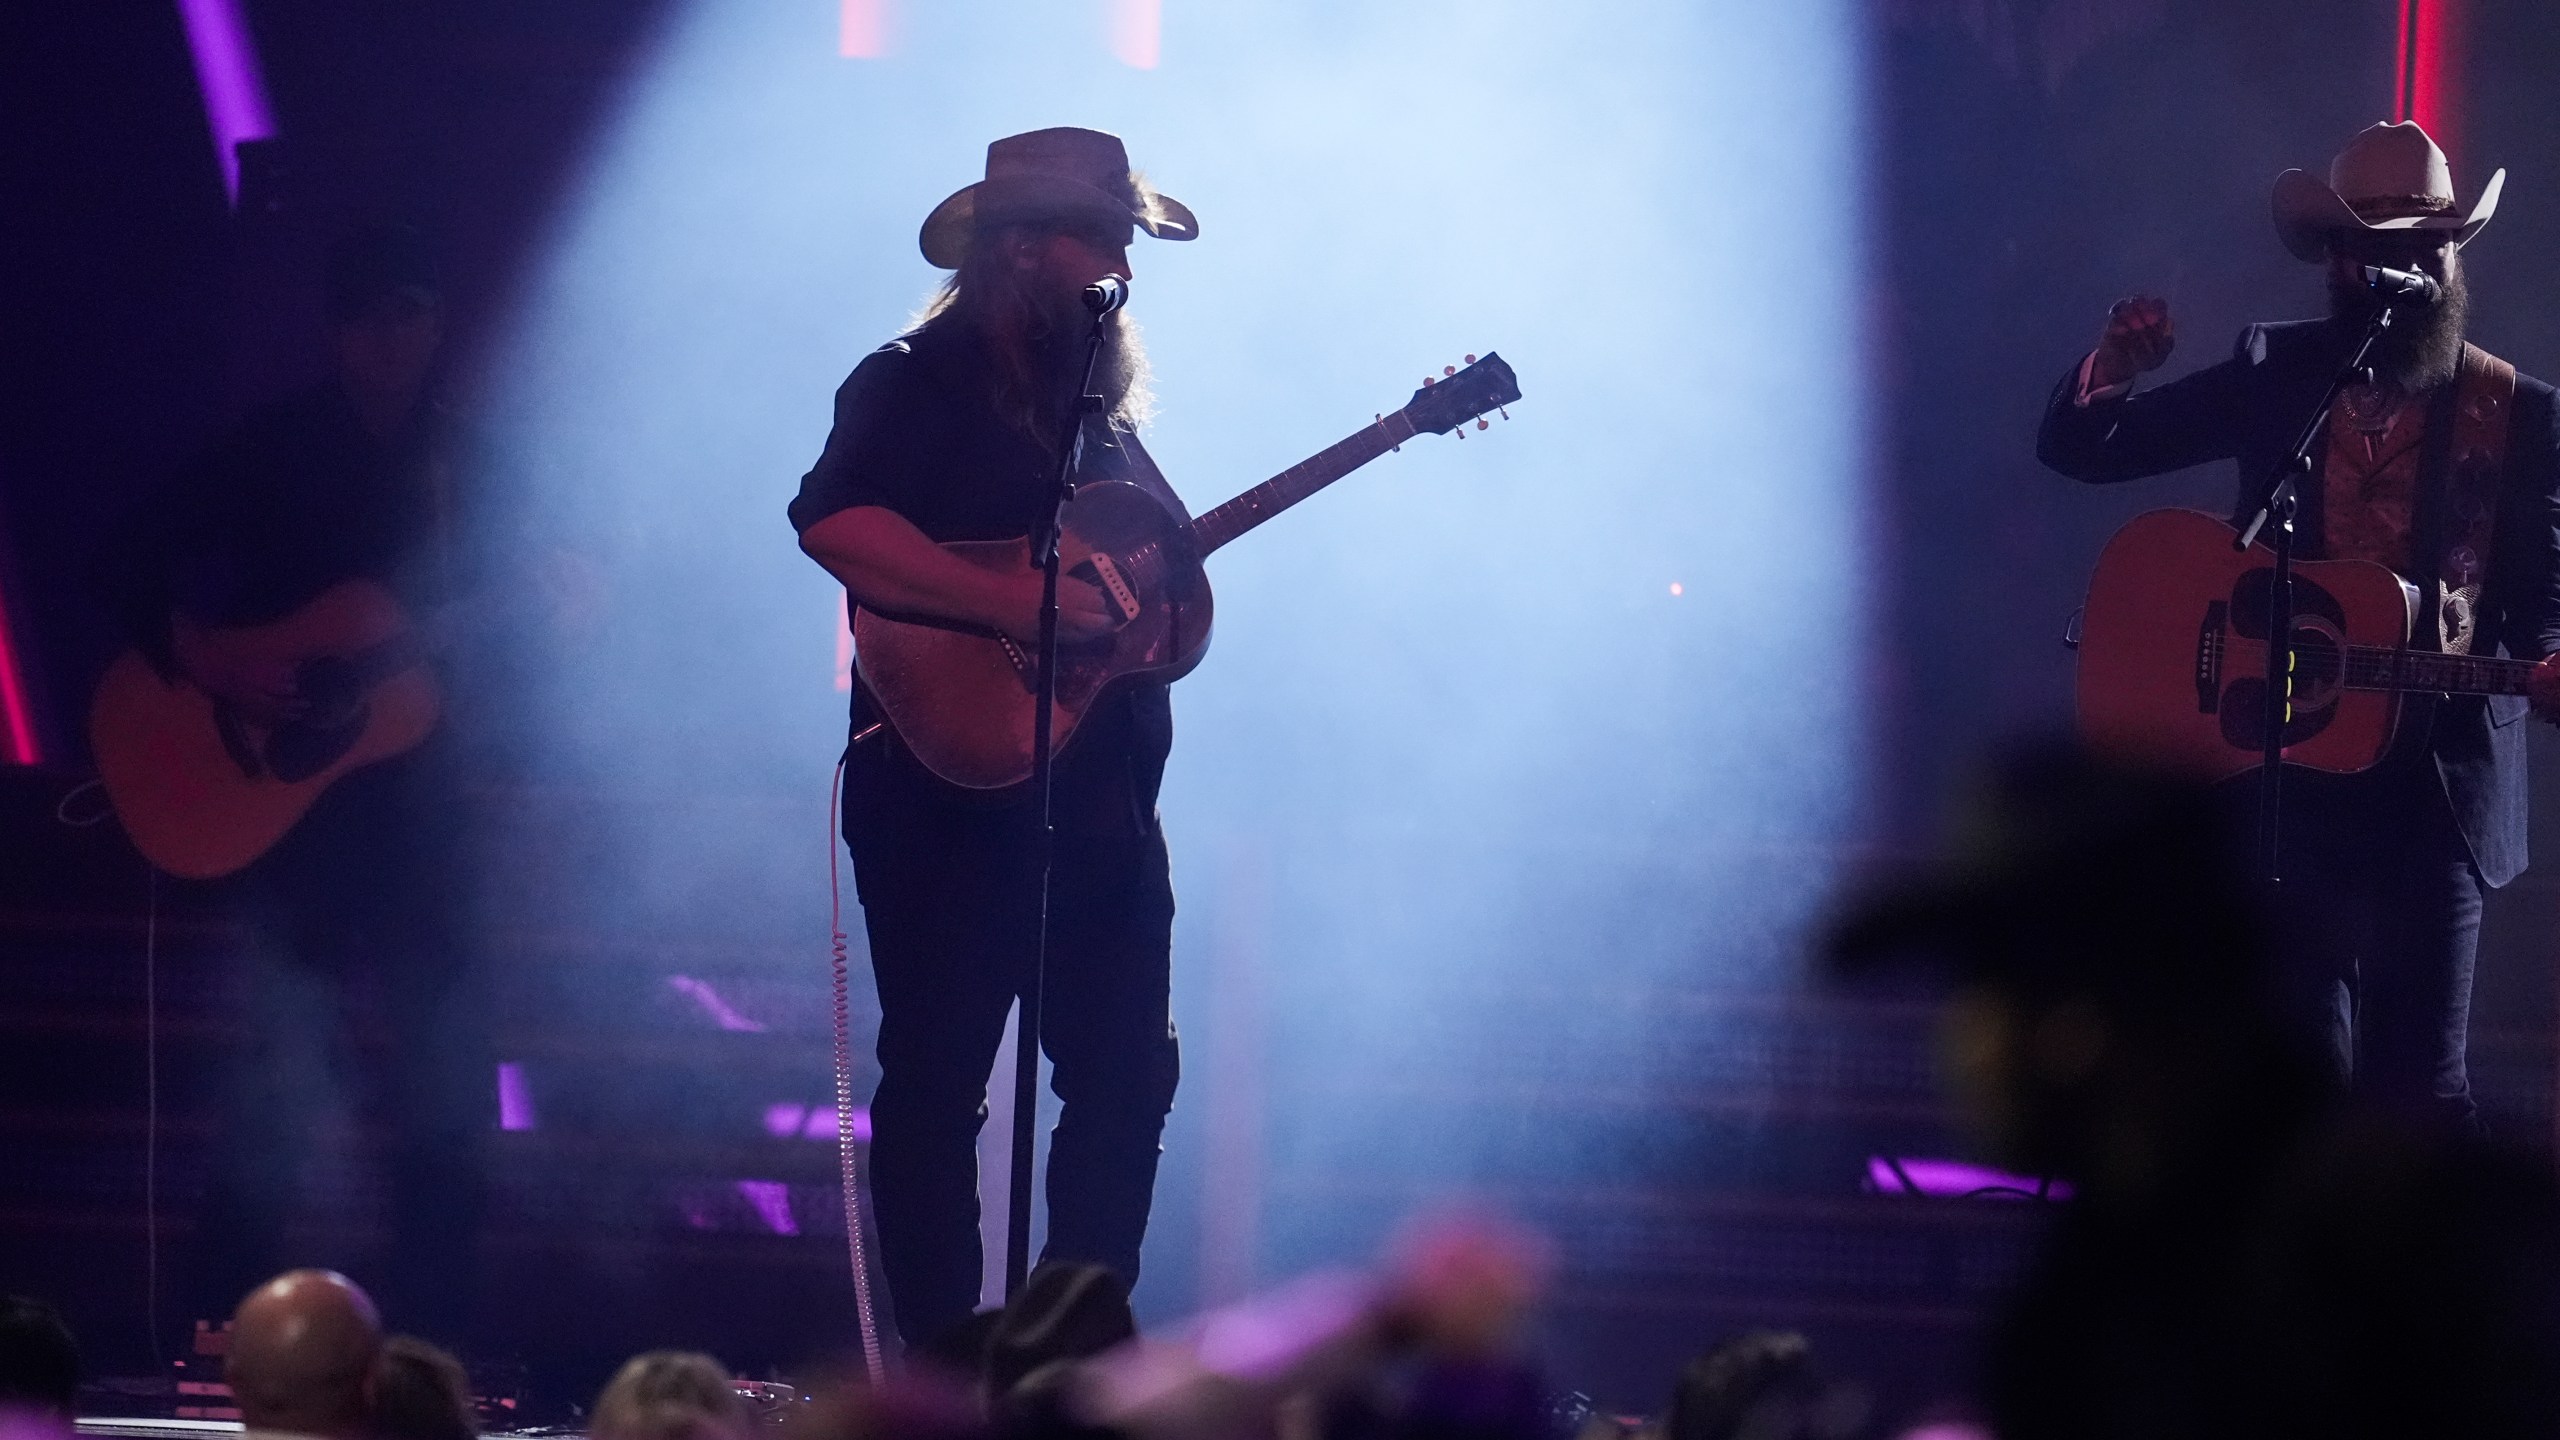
(1111, 292)
(2392, 284)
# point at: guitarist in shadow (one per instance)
(945, 435)
(360, 906)
(2446, 469)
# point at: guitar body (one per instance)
(2173, 655)
(204, 792)
(961, 698)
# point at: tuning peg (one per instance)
(1430, 380)
(1459, 429)
(1471, 359)
(1506, 414)
(1483, 424)
(1448, 369)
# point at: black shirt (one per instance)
(917, 432)
(297, 498)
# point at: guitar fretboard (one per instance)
(1226, 522)
(2374, 668)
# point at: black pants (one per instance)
(2380, 929)
(358, 985)
(949, 900)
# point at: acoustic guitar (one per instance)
(961, 696)
(2173, 653)
(202, 789)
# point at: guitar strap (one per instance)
(2459, 524)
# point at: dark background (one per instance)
(2034, 160)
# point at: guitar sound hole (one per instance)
(2319, 667)
(2319, 649)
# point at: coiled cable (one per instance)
(848, 1154)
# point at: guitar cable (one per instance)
(848, 1160)
(151, 1108)
(64, 813)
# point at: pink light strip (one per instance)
(17, 717)
(862, 29)
(235, 98)
(1137, 32)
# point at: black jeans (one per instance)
(2379, 917)
(950, 896)
(359, 983)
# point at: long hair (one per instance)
(1034, 339)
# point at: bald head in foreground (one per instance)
(302, 1353)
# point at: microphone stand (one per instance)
(1102, 301)
(2277, 502)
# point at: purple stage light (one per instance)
(720, 1011)
(788, 1119)
(235, 99)
(771, 1200)
(515, 1098)
(1917, 1175)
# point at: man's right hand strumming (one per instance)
(889, 565)
(2138, 337)
(1084, 612)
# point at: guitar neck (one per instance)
(2374, 668)
(1226, 522)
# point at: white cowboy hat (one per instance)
(2391, 177)
(1058, 174)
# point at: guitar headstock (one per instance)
(1448, 403)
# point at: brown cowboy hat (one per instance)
(1058, 174)
(2391, 177)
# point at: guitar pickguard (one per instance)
(2319, 661)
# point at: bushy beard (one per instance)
(1055, 339)
(2423, 347)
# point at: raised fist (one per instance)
(2138, 337)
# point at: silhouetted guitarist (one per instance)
(354, 478)
(944, 435)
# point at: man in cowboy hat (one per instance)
(947, 433)
(2385, 871)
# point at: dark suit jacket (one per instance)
(2249, 408)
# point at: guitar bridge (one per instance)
(1116, 586)
(1025, 668)
(2209, 657)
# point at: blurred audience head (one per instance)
(1760, 1386)
(303, 1347)
(670, 1395)
(1462, 1283)
(420, 1393)
(39, 1361)
(2111, 962)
